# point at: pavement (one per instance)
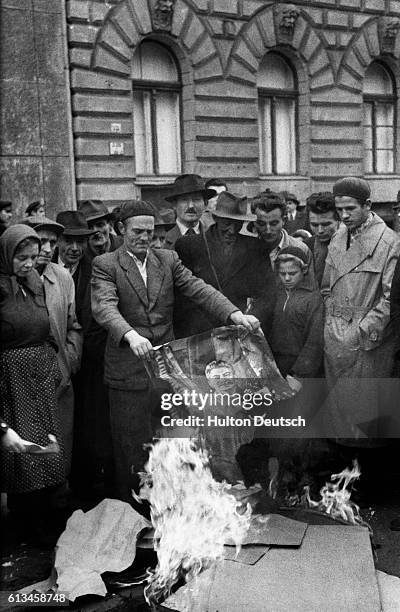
(23, 563)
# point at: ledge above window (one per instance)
(159, 179)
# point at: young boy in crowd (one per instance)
(296, 338)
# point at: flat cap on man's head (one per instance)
(136, 208)
(352, 187)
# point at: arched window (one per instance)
(379, 119)
(277, 98)
(156, 110)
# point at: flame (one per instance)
(192, 514)
(335, 496)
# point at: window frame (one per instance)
(374, 100)
(152, 87)
(274, 94)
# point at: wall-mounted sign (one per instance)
(116, 128)
(116, 148)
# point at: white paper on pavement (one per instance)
(101, 540)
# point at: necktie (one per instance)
(190, 232)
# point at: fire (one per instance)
(192, 514)
(335, 496)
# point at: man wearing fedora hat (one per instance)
(234, 264)
(99, 221)
(295, 218)
(189, 196)
(69, 254)
(133, 298)
(93, 450)
(65, 329)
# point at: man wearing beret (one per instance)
(359, 344)
(133, 298)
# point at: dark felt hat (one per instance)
(39, 222)
(94, 210)
(165, 218)
(74, 223)
(230, 206)
(353, 187)
(32, 207)
(189, 183)
(5, 204)
(136, 208)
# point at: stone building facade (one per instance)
(331, 48)
(36, 151)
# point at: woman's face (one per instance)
(25, 259)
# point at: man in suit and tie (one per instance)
(133, 298)
(236, 265)
(189, 196)
(296, 219)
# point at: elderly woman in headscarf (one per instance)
(29, 376)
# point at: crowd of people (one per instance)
(84, 299)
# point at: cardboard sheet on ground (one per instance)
(274, 530)
(332, 570)
(248, 555)
(101, 540)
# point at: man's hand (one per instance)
(248, 321)
(12, 442)
(140, 346)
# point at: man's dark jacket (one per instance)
(247, 274)
(299, 222)
(81, 278)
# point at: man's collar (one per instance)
(183, 228)
(281, 243)
(138, 261)
(72, 269)
(48, 273)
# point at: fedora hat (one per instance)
(165, 218)
(93, 210)
(38, 222)
(189, 183)
(74, 223)
(230, 206)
